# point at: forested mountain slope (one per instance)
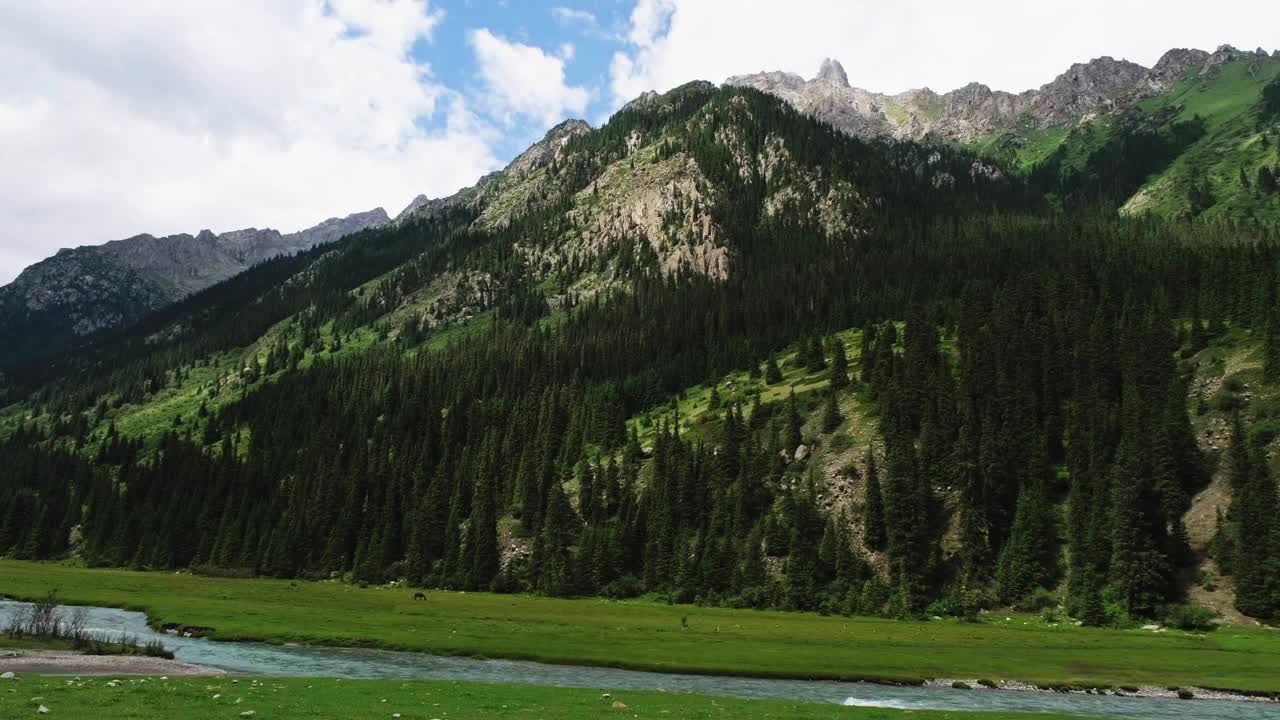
(473, 396)
(92, 288)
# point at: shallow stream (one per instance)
(314, 661)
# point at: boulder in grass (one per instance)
(7, 676)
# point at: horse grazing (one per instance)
(419, 596)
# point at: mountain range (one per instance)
(969, 113)
(1200, 107)
(720, 350)
(1186, 137)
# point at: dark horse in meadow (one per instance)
(419, 596)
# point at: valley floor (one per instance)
(652, 636)
(287, 698)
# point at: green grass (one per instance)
(477, 325)
(692, 406)
(1022, 149)
(1233, 90)
(285, 698)
(10, 642)
(1225, 102)
(1232, 142)
(647, 635)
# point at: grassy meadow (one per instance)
(288, 698)
(647, 635)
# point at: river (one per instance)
(313, 661)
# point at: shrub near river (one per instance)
(648, 635)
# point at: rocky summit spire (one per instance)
(833, 72)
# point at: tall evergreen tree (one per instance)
(873, 532)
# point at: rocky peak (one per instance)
(336, 228)
(831, 71)
(1173, 65)
(543, 152)
(1104, 75)
(413, 207)
(1097, 86)
(1086, 88)
(567, 129)
(85, 289)
(1224, 54)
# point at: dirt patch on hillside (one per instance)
(1221, 599)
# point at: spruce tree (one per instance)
(831, 417)
(772, 374)
(1029, 558)
(1271, 347)
(1255, 507)
(554, 563)
(839, 365)
(815, 359)
(483, 535)
(792, 437)
(873, 529)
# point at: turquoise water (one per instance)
(311, 661)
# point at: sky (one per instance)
(132, 116)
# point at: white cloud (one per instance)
(649, 19)
(573, 17)
(586, 23)
(162, 117)
(523, 80)
(890, 47)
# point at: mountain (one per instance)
(83, 290)
(1186, 137)
(715, 350)
(969, 113)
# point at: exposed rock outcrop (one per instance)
(964, 114)
(91, 288)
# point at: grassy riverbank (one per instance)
(650, 636)
(287, 698)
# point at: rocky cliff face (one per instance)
(963, 115)
(82, 290)
(497, 194)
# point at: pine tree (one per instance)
(831, 417)
(1271, 347)
(1266, 180)
(873, 529)
(554, 563)
(1029, 558)
(483, 535)
(815, 359)
(792, 438)
(1255, 507)
(753, 573)
(839, 365)
(772, 374)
